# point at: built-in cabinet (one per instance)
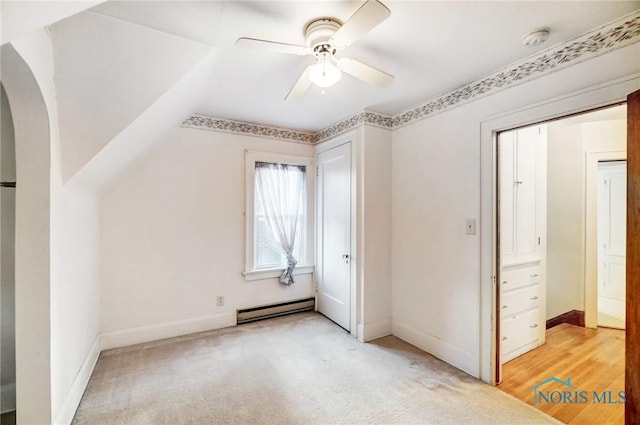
(522, 160)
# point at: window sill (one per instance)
(271, 273)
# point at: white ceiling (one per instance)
(430, 47)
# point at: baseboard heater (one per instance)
(267, 311)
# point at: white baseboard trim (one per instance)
(123, 338)
(126, 337)
(376, 329)
(464, 360)
(67, 410)
(8, 398)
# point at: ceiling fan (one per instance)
(323, 39)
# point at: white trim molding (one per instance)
(65, 414)
(463, 360)
(139, 335)
(125, 338)
(606, 94)
(374, 330)
(307, 249)
(273, 273)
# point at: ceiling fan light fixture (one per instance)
(324, 73)
(324, 37)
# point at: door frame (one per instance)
(605, 95)
(591, 232)
(348, 138)
(632, 330)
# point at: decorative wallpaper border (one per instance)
(360, 118)
(204, 122)
(609, 37)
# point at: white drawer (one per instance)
(513, 277)
(519, 300)
(520, 330)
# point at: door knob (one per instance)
(345, 257)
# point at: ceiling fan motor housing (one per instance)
(323, 38)
(318, 33)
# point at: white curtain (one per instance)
(280, 189)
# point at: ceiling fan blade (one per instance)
(364, 72)
(273, 46)
(370, 15)
(301, 86)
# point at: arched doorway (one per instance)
(32, 233)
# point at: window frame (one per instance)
(306, 264)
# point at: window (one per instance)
(272, 180)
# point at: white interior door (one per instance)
(334, 234)
(612, 218)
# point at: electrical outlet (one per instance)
(470, 226)
(220, 300)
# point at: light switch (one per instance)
(470, 226)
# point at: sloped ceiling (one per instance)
(108, 72)
(22, 17)
(431, 48)
(117, 63)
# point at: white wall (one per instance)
(74, 293)
(568, 143)
(435, 303)
(172, 239)
(436, 186)
(565, 219)
(71, 295)
(375, 197)
(7, 260)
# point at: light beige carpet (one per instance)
(299, 369)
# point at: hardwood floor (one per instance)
(593, 360)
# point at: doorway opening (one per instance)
(611, 263)
(7, 263)
(561, 208)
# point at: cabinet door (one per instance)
(526, 238)
(506, 198)
(522, 197)
(522, 184)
